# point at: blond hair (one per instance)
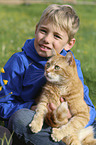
(63, 16)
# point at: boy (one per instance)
(25, 73)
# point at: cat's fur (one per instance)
(63, 81)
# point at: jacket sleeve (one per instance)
(86, 95)
(11, 87)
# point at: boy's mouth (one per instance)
(44, 48)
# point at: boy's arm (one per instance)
(11, 88)
(86, 95)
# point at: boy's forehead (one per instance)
(47, 21)
(55, 26)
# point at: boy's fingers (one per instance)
(33, 107)
(51, 107)
(61, 99)
(69, 114)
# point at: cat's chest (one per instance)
(54, 97)
(64, 90)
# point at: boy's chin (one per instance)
(45, 55)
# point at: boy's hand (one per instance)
(52, 107)
(33, 107)
(69, 113)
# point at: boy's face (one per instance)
(47, 37)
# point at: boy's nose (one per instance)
(48, 39)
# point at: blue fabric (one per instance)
(25, 74)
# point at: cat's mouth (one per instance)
(48, 77)
(51, 78)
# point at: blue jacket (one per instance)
(24, 72)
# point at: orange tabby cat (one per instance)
(63, 81)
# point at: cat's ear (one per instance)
(69, 58)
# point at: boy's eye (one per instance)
(43, 31)
(57, 67)
(48, 65)
(57, 36)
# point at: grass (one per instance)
(86, 0)
(4, 139)
(85, 46)
(17, 23)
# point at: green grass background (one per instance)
(17, 23)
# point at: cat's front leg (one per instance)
(57, 134)
(67, 136)
(37, 122)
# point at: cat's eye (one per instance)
(48, 65)
(57, 67)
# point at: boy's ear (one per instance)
(36, 28)
(70, 44)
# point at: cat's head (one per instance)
(60, 69)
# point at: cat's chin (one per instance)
(51, 80)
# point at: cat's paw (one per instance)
(76, 143)
(56, 134)
(63, 106)
(35, 126)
